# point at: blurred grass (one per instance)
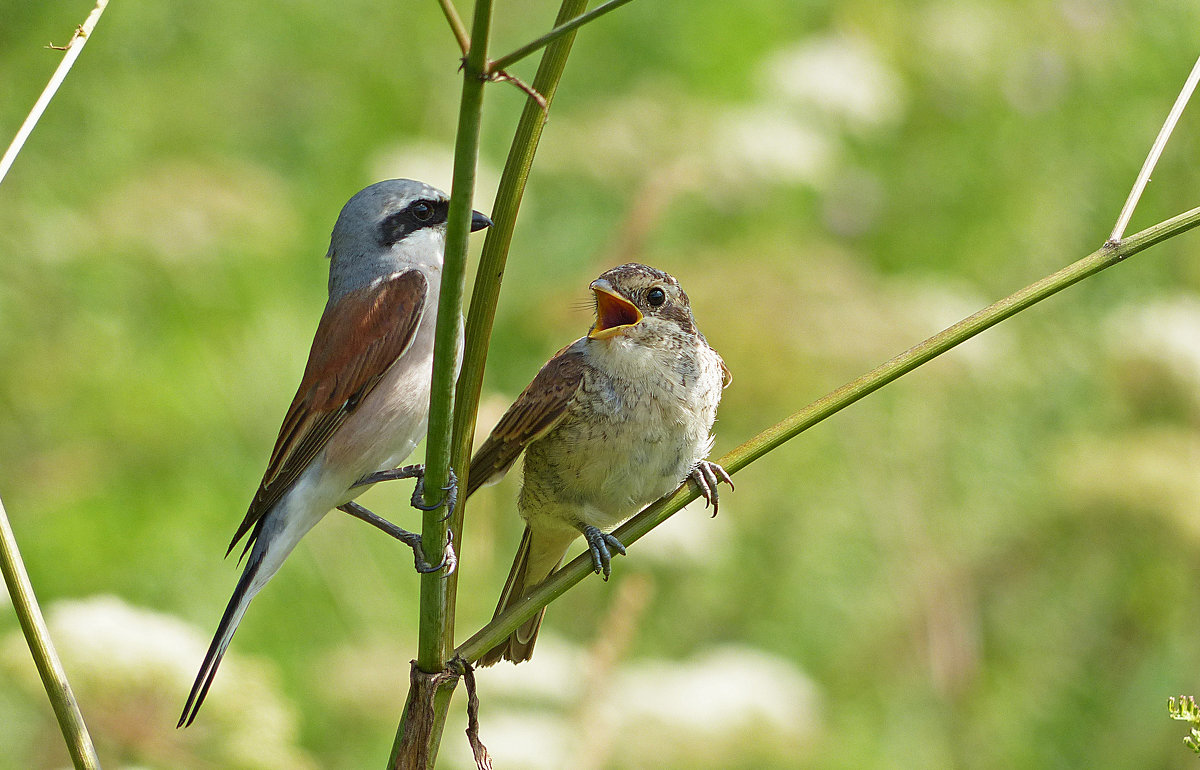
(989, 564)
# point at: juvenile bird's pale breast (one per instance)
(639, 423)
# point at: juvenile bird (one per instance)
(611, 423)
(363, 401)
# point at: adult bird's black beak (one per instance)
(479, 220)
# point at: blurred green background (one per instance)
(994, 563)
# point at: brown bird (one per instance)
(614, 421)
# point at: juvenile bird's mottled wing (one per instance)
(539, 408)
(357, 341)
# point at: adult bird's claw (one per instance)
(707, 476)
(449, 560)
(418, 496)
(411, 539)
(599, 544)
(450, 499)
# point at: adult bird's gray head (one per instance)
(393, 224)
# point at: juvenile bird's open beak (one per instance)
(479, 220)
(614, 313)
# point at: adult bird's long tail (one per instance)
(245, 590)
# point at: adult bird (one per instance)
(611, 423)
(363, 401)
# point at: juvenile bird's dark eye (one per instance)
(422, 211)
(656, 297)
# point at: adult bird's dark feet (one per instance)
(450, 499)
(411, 539)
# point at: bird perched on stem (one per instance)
(614, 421)
(363, 401)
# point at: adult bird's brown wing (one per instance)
(539, 408)
(357, 340)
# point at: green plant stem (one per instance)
(456, 25)
(37, 636)
(434, 609)
(561, 28)
(486, 291)
(558, 583)
(1156, 149)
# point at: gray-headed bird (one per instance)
(363, 401)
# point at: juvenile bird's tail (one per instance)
(539, 555)
(242, 594)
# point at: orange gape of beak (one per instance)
(614, 313)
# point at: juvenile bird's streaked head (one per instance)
(640, 304)
(389, 226)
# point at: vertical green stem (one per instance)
(419, 733)
(430, 650)
(37, 636)
(491, 267)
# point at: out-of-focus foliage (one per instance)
(994, 563)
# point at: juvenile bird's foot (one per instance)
(599, 544)
(707, 476)
(411, 539)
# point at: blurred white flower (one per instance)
(962, 40)
(769, 144)
(692, 535)
(548, 683)
(717, 694)
(130, 669)
(841, 77)
(700, 711)
(1165, 331)
(521, 739)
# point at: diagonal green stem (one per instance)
(558, 583)
(456, 25)
(37, 636)
(73, 49)
(491, 269)
(559, 30)
(1156, 149)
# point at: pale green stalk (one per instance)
(75, 47)
(1156, 149)
(37, 636)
